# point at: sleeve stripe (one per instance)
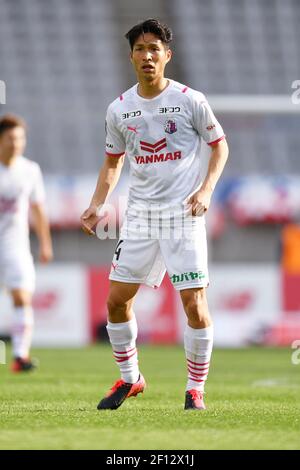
(115, 154)
(216, 141)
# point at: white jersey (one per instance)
(162, 140)
(20, 184)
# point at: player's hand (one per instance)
(199, 202)
(46, 254)
(89, 220)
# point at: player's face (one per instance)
(13, 141)
(149, 57)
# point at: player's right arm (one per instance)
(108, 177)
(110, 171)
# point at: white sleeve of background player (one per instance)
(37, 195)
(205, 122)
(115, 143)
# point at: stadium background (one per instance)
(63, 62)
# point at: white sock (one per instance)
(198, 345)
(122, 338)
(22, 330)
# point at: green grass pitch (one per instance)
(252, 397)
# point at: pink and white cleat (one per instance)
(194, 400)
(119, 392)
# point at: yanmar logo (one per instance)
(158, 157)
(153, 148)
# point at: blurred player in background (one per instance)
(159, 123)
(21, 188)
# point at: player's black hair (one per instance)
(10, 121)
(151, 25)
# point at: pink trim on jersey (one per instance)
(115, 154)
(185, 89)
(121, 98)
(216, 141)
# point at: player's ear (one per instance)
(130, 56)
(169, 54)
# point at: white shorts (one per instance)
(17, 271)
(146, 260)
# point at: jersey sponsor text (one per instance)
(157, 158)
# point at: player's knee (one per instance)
(195, 305)
(117, 309)
(197, 312)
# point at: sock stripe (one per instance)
(198, 375)
(124, 352)
(196, 380)
(126, 358)
(197, 369)
(198, 363)
(122, 337)
(198, 345)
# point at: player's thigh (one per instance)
(19, 275)
(119, 302)
(122, 293)
(137, 261)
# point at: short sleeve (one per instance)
(115, 144)
(205, 122)
(37, 195)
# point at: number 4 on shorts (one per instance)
(118, 250)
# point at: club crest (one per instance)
(170, 126)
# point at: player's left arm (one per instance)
(200, 200)
(42, 229)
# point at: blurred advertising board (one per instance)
(248, 304)
(244, 200)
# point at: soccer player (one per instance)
(21, 186)
(159, 124)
